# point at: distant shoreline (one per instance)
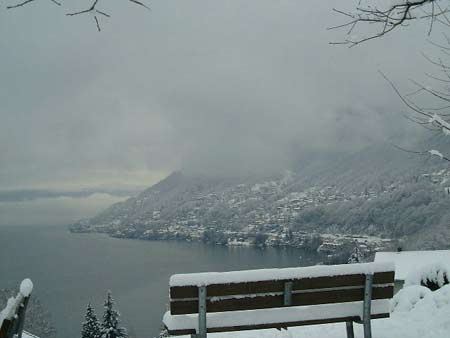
(333, 249)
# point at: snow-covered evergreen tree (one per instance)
(110, 324)
(356, 256)
(91, 326)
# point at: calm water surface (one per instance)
(70, 270)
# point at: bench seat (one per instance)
(275, 318)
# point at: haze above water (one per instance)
(70, 270)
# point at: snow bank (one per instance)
(438, 274)
(408, 261)
(209, 278)
(419, 298)
(407, 298)
(277, 315)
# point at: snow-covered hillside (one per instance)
(381, 192)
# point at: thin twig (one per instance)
(93, 9)
(26, 2)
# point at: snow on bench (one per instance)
(279, 298)
(26, 334)
(13, 315)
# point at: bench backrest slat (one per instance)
(270, 294)
(267, 302)
(217, 290)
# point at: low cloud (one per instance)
(220, 88)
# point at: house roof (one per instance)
(408, 261)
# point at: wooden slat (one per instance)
(177, 292)
(179, 307)
(340, 281)
(275, 325)
(216, 290)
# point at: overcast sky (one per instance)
(223, 87)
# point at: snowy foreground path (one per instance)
(416, 313)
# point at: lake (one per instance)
(70, 270)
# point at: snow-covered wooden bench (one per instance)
(201, 303)
(12, 317)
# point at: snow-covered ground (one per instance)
(416, 313)
(411, 261)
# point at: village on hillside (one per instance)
(260, 218)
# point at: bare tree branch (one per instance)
(396, 15)
(434, 119)
(102, 13)
(19, 4)
(431, 152)
(140, 4)
(92, 9)
(96, 21)
(26, 2)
